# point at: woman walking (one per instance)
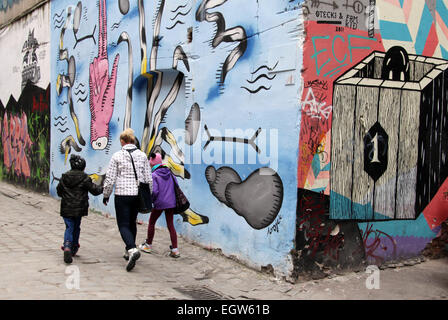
(121, 174)
(164, 199)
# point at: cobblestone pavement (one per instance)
(31, 265)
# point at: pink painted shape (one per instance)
(324, 175)
(327, 190)
(6, 142)
(432, 42)
(14, 131)
(394, 2)
(407, 6)
(25, 144)
(102, 87)
(16, 144)
(436, 211)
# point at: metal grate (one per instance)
(201, 293)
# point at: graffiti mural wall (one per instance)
(340, 160)
(373, 133)
(196, 80)
(25, 101)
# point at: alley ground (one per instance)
(31, 265)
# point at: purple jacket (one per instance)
(163, 196)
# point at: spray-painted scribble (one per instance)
(16, 144)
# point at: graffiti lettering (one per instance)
(275, 226)
(381, 240)
(16, 144)
(338, 41)
(445, 195)
(326, 14)
(317, 84)
(40, 103)
(317, 233)
(351, 22)
(314, 107)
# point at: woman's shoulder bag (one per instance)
(144, 191)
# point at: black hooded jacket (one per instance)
(73, 188)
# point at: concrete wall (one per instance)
(373, 136)
(11, 10)
(25, 100)
(214, 84)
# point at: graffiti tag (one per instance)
(274, 227)
(315, 108)
(16, 144)
(377, 243)
(317, 233)
(339, 42)
(317, 84)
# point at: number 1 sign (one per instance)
(388, 158)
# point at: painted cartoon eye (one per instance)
(100, 143)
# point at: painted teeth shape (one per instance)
(258, 199)
(219, 179)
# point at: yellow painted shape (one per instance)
(66, 154)
(193, 218)
(175, 168)
(170, 139)
(144, 65)
(58, 84)
(94, 177)
(150, 145)
(78, 133)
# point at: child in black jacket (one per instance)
(73, 188)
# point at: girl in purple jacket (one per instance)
(164, 199)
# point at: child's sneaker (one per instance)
(174, 253)
(145, 247)
(134, 254)
(75, 249)
(68, 255)
(126, 255)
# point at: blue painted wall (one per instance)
(261, 89)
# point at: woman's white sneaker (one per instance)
(134, 255)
